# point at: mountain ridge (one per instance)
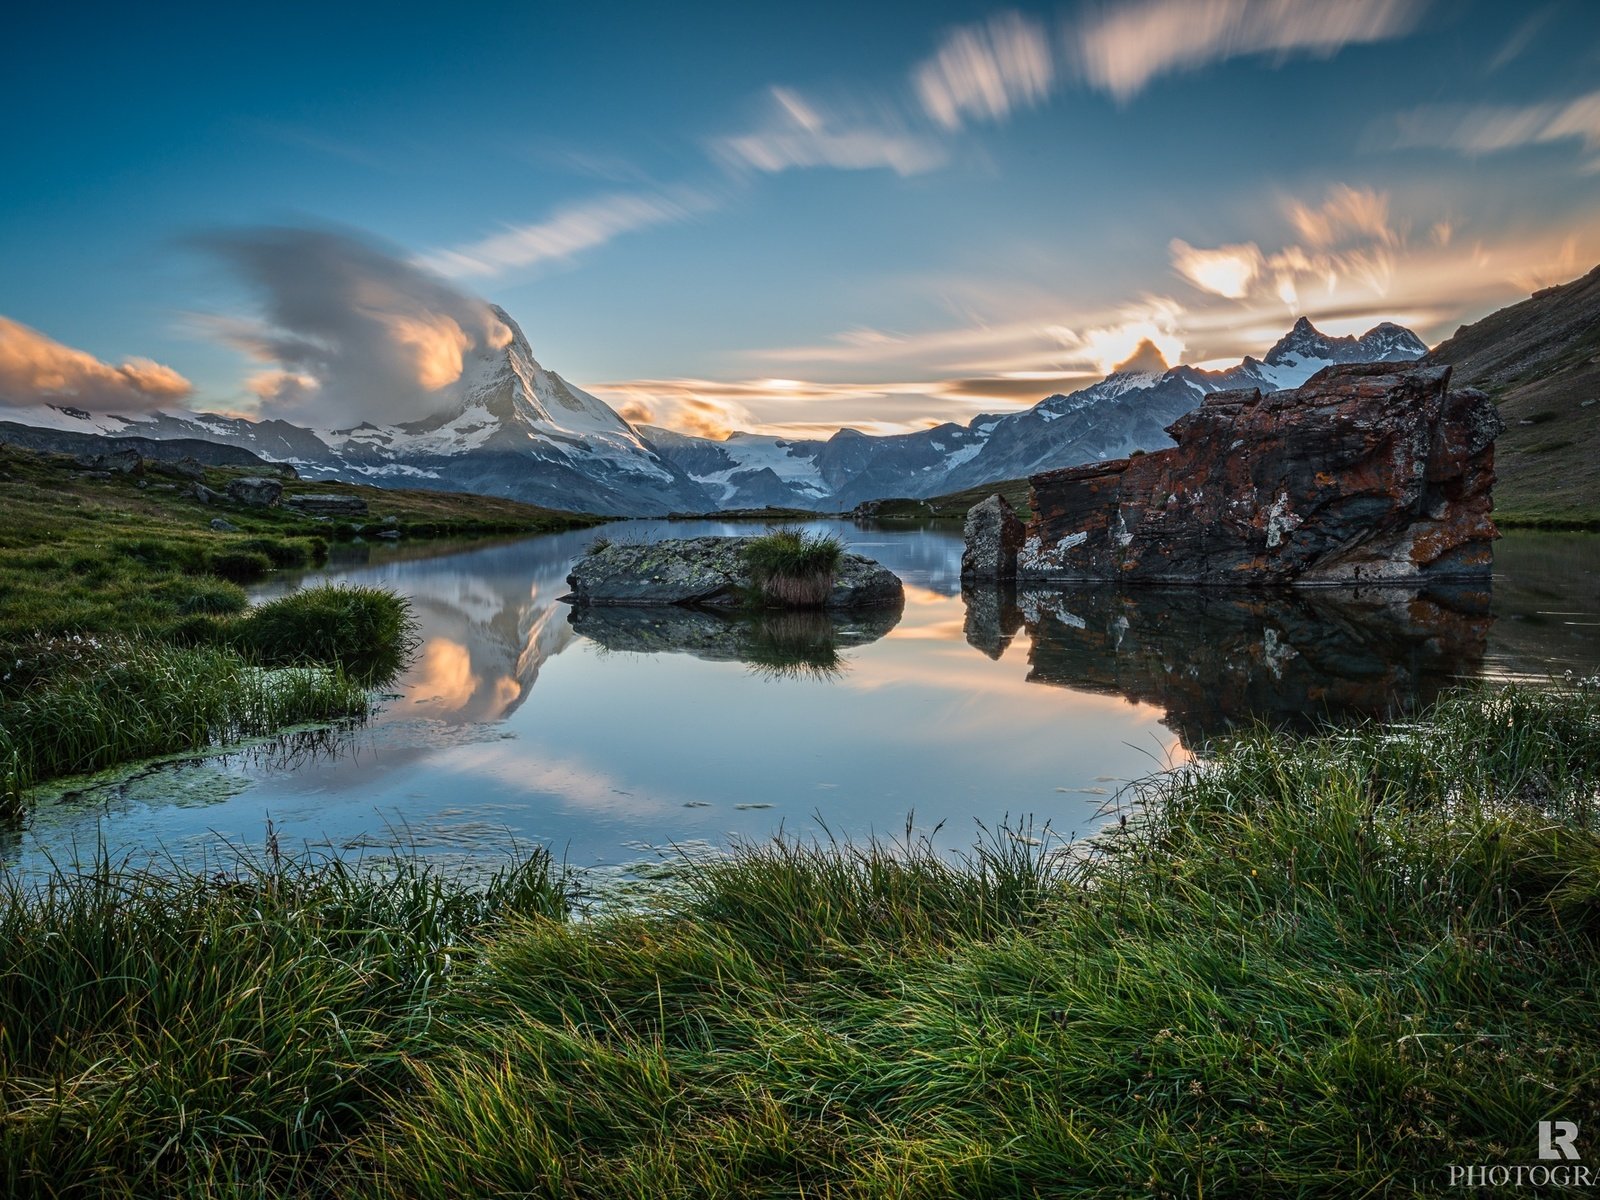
(1127, 410)
(510, 427)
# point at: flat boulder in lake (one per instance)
(710, 572)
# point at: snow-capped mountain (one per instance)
(1127, 410)
(746, 470)
(508, 428)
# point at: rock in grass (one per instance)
(256, 491)
(710, 572)
(222, 526)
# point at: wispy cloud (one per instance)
(1351, 258)
(1490, 128)
(36, 368)
(1521, 38)
(1226, 271)
(985, 71)
(801, 133)
(566, 233)
(1122, 49)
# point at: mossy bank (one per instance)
(1333, 965)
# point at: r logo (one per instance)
(1558, 1139)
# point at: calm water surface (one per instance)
(612, 734)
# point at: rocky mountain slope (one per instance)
(1540, 360)
(1128, 410)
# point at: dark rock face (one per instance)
(994, 534)
(255, 491)
(1368, 473)
(709, 572)
(1217, 661)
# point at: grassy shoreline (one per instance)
(125, 631)
(1325, 965)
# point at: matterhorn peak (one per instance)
(1146, 359)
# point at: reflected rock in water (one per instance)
(1218, 660)
(993, 617)
(779, 644)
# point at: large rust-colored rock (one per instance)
(1368, 473)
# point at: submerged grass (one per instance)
(1314, 966)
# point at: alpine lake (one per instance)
(625, 738)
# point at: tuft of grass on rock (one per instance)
(791, 568)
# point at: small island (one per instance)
(784, 568)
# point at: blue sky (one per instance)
(780, 217)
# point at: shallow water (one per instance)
(611, 735)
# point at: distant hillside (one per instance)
(1541, 361)
(951, 505)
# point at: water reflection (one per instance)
(1214, 661)
(778, 645)
(601, 731)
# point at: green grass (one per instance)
(71, 705)
(791, 568)
(223, 1034)
(367, 631)
(1321, 966)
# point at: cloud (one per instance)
(35, 368)
(1521, 38)
(799, 133)
(566, 233)
(1345, 214)
(1121, 50)
(985, 71)
(675, 404)
(351, 331)
(787, 407)
(1224, 271)
(1349, 262)
(1491, 128)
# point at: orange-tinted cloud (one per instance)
(35, 368)
(351, 330)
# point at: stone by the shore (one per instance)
(709, 572)
(1368, 473)
(994, 534)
